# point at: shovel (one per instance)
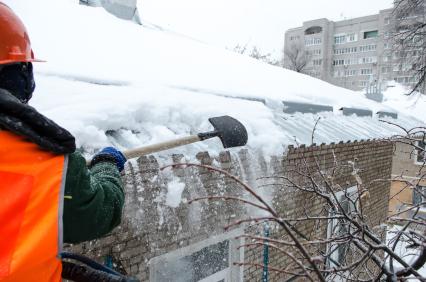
(230, 131)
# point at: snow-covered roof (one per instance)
(114, 82)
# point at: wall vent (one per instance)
(293, 107)
(355, 111)
(382, 114)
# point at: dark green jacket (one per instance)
(93, 201)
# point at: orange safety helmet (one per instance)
(15, 45)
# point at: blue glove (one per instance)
(108, 154)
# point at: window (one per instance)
(387, 20)
(351, 61)
(367, 48)
(419, 195)
(406, 79)
(387, 58)
(352, 37)
(416, 53)
(350, 72)
(338, 62)
(342, 51)
(339, 39)
(313, 73)
(407, 67)
(371, 34)
(336, 228)
(420, 152)
(366, 71)
(309, 41)
(368, 60)
(403, 28)
(401, 54)
(210, 260)
(386, 69)
(317, 62)
(363, 83)
(316, 52)
(312, 41)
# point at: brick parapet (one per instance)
(150, 228)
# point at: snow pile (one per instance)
(112, 82)
(398, 97)
(409, 255)
(174, 193)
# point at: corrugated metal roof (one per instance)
(299, 127)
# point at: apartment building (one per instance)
(355, 53)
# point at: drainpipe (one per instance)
(265, 252)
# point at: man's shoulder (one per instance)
(26, 121)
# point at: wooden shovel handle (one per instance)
(142, 151)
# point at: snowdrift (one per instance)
(111, 81)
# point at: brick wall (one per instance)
(150, 228)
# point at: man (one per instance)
(41, 175)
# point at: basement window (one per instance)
(211, 260)
(336, 227)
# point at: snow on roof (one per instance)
(114, 82)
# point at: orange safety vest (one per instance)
(31, 198)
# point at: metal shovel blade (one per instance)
(231, 132)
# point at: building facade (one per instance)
(356, 54)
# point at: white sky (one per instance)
(253, 22)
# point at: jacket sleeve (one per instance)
(93, 200)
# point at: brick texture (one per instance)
(150, 228)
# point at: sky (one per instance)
(261, 23)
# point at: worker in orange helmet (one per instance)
(47, 193)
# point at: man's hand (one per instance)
(110, 154)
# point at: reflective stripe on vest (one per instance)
(31, 198)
